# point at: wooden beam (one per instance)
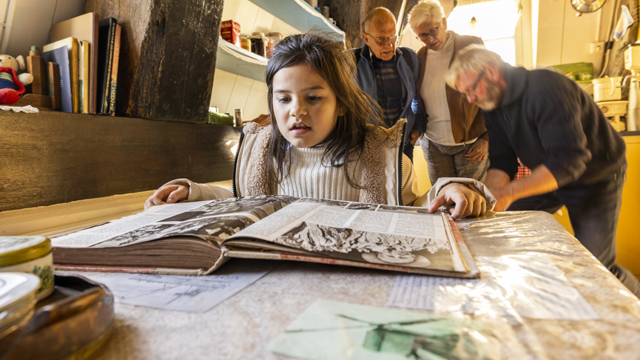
(54, 157)
(167, 56)
(349, 15)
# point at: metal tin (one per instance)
(29, 254)
(19, 249)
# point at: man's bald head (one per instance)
(378, 15)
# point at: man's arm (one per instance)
(554, 105)
(496, 179)
(540, 181)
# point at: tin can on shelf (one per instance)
(237, 119)
(230, 31)
(29, 254)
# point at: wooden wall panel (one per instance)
(55, 157)
(167, 56)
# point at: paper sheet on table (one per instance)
(181, 293)
(516, 285)
(335, 330)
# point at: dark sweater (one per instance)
(546, 118)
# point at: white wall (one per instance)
(231, 91)
(564, 38)
(29, 22)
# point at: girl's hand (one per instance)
(467, 202)
(167, 194)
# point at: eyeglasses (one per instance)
(382, 40)
(475, 85)
(433, 33)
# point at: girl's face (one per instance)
(305, 106)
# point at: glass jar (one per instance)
(245, 41)
(274, 39)
(258, 44)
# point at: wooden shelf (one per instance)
(298, 14)
(239, 61)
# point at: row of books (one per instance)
(87, 51)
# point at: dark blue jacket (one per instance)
(408, 75)
(547, 119)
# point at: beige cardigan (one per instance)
(387, 174)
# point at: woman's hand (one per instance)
(478, 151)
(167, 194)
(467, 202)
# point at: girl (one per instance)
(320, 144)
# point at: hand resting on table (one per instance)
(167, 194)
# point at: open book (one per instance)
(195, 238)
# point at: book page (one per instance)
(210, 220)
(380, 234)
(180, 293)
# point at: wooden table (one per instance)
(242, 326)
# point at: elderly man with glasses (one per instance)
(557, 130)
(455, 141)
(388, 74)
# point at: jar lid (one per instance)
(16, 290)
(20, 249)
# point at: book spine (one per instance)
(53, 82)
(114, 72)
(75, 93)
(104, 102)
(94, 63)
(86, 66)
(81, 79)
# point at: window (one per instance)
(493, 21)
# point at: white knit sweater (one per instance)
(309, 177)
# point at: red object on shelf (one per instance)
(230, 31)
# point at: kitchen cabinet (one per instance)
(628, 246)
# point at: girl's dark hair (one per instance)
(337, 67)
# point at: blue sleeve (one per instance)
(419, 121)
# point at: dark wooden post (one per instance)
(167, 56)
(349, 15)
